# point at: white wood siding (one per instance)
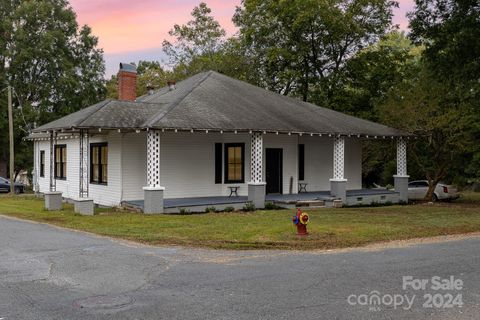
(319, 163)
(108, 195)
(43, 182)
(134, 165)
(69, 186)
(188, 164)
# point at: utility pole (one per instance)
(10, 132)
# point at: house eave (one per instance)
(219, 130)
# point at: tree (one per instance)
(55, 67)
(300, 47)
(150, 74)
(443, 127)
(200, 39)
(450, 31)
(370, 74)
(367, 79)
(201, 45)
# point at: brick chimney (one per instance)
(127, 82)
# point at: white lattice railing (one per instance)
(338, 158)
(84, 144)
(153, 158)
(401, 157)
(256, 165)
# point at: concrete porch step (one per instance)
(310, 203)
(131, 206)
(312, 207)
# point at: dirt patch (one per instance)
(404, 243)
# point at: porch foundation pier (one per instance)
(153, 193)
(338, 184)
(83, 204)
(53, 199)
(401, 178)
(256, 187)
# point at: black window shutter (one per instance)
(218, 163)
(301, 162)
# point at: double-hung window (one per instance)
(99, 163)
(42, 163)
(234, 162)
(61, 162)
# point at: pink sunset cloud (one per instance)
(124, 26)
(133, 30)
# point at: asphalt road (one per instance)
(51, 273)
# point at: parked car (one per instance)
(5, 186)
(418, 189)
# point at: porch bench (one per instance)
(302, 187)
(233, 190)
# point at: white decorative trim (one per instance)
(401, 157)
(153, 158)
(83, 168)
(338, 158)
(257, 183)
(153, 188)
(36, 167)
(256, 164)
(338, 180)
(53, 143)
(397, 176)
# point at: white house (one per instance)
(207, 140)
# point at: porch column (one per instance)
(153, 192)
(338, 184)
(53, 199)
(83, 204)
(256, 186)
(36, 166)
(401, 178)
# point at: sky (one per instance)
(132, 30)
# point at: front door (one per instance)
(274, 170)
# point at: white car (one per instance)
(418, 189)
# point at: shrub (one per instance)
(229, 209)
(249, 206)
(210, 209)
(271, 206)
(184, 211)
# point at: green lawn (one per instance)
(329, 228)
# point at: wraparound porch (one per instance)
(199, 204)
(259, 187)
(181, 168)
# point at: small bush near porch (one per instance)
(273, 229)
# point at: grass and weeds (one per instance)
(273, 229)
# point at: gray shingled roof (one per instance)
(214, 101)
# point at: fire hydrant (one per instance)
(300, 219)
